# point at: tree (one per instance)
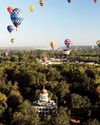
(61, 90)
(3, 104)
(26, 115)
(61, 118)
(74, 75)
(53, 75)
(93, 122)
(14, 99)
(77, 101)
(90, 74)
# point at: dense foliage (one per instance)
(73, 85)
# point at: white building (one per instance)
(67, 52)
(44, 105)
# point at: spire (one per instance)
(44, 91)
(43, 86)
(43, 95)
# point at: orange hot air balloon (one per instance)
(10, 9)
(52, 44)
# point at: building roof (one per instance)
(44, 91)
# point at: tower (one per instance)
(43, 95)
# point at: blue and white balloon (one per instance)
(10, 28)
(16, 17)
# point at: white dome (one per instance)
(44, 91)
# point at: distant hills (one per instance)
(45, 47)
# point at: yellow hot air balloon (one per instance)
(42, 2)
(52, 44)
(32, 8)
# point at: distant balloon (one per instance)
(10, 28)
(44, 58)
(69, 1)
(5, 54)
(94, 1)
(10, 9)
(12, 40)
(68, 42)
(53, 45)
(16, 17)
(42, 2)
(32, 8)
(98, 43)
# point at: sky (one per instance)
(56, 21)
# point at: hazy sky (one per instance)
(56, 20)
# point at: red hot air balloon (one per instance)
(10, 9)
(68, 42)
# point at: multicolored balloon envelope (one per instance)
(98, 43)
(16, 17)
(68, 42)
(10, 28)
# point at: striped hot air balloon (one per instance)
(68, 42)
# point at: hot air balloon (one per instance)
(94, 1)
(67, 42)
(12, 40)
(16, 17)
(69, 1)
(44, 58)
(10, 28)
(98, 43)
(5, 54)
(53, 45)
(32, 8)
(10, 9)
(42, 2)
